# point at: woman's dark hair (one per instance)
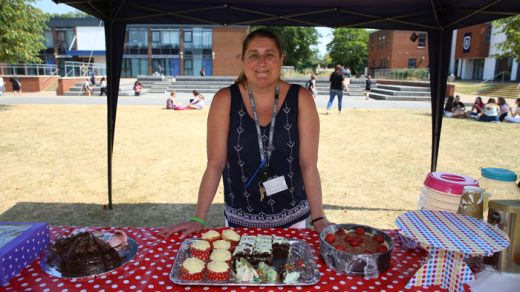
(259, 33)
(478, 99)
(501, 101)
(517, 100)
(195, 92)
(492, 100)
(449, 104)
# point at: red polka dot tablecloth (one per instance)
(150, 268)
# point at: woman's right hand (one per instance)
(186, 228)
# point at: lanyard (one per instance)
(270, 146)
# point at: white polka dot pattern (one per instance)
(149, 270)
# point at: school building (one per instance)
(473, 53)
(179, 50)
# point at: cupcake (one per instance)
(200, 249)
(221, 244)
(218, 271)
(222, 255)
(192, 269)
(211, 236)
(231, 236)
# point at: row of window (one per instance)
(381, 40)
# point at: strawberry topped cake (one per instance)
(356, 241)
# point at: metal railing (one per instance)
(495, 78)
(82, 69)
(402, 74)
(28, 69)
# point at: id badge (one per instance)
(275, 185)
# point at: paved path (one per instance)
(160, 100)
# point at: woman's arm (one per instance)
(217, 127)
(309, 133)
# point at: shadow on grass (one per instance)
(5, 107)
(131, 215)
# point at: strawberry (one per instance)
(348, 238)
(355, 243)
(360, 231)
(340, 232)
(340, 247)
(378, 238)
(330, 238)
(381, 248)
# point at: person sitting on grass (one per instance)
(504, 108)
(452, 111)
(197, 102)
(515, 116)
(490, 111)
(172, 104)
(476, 108)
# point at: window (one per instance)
(421, 41)
(137, 43)
(49, 39)
(412, 63)
(64, 38)
(165, 41)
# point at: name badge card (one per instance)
(275, 185)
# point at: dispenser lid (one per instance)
(450, 183)
(500, 174)
(509, 206)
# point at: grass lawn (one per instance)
(470, 87)
(372, 163)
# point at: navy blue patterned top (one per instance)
(243, 206)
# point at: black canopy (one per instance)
(437, 17)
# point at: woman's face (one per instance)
(262, 62)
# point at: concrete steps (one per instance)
(126, 89)
(399, 92)
(508, 90)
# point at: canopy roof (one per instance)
(380, 14)
(437, 17)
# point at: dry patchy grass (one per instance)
(372, 163)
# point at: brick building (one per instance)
(391, 49)
(179, 50)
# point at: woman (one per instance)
(87, 90)
(197, 102)
(451, 110)
(171, 102)
(490, 111)
(312, 86)
(256, 106)
(504, 108)
(137, 88)
(515, 116)
(103, 86)
(476, 108)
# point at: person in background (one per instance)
(103, 86)
(368, 86)
(87, 90)
(137, 88)
(458, 104)
(452, 111)
(476, 108)
(16, 84)
(347, 74)
(92, 79)
(197, 102)
(171, 103)
(515, 115)
(504, 108)
(261, 104)
(2, 85)
(311, 85)
(202, 72)
(490, 111)
(336, 88)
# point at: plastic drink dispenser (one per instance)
(442, 191)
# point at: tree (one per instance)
(21, 31)
(349, 46)
(297, 43)
(511, 28)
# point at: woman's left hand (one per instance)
(321, 224)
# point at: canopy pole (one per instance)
(114, 40)
(439, 42)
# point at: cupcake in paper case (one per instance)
(200, 249)
(192, 269)
(231, 236)
(222, 255)
(221, 244)
(211, 236)
(218, 271)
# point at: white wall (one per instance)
(90, 38)
(452, 68)
(467, 69)
(514, 70)
(489, 68)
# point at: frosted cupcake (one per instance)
(211, 236)
(222, 244)
(218, 271)
(231, 236)
(192, 269)
(222, 255)
(200, 249)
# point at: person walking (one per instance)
(103, 86)
(16, 84)
(336, 88)
(368, 86)
(2, 84)
(347, 75)
(87, 90)
(137, 88)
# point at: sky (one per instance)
(49, 6)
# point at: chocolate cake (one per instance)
(82, 255)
